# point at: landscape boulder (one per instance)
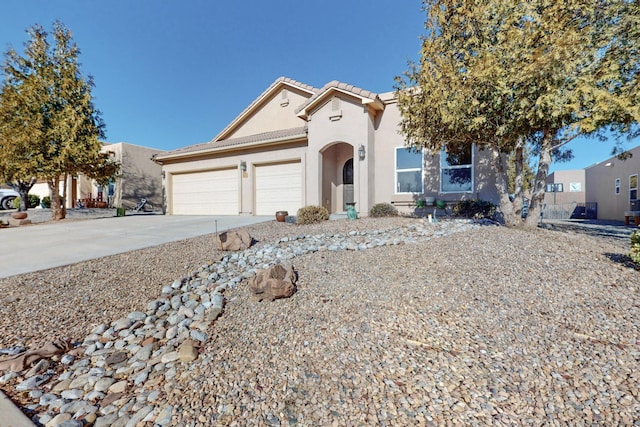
(25, 359)
(273, 283)
(235, 240)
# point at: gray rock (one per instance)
(103, 384)
(34, 382)
(199, 335)
(164, 416)
(141, 377)
(122, 324)
(139, 416)
(144, 353)
(137, 316)
(70, 423)
(67, 359)
(106, 420)
(72, 394)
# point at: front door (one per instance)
(347, 181)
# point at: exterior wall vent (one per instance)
(284, 98)
(336, 112)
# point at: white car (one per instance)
(6, 198)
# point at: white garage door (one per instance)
(205, 193)
(278, 188)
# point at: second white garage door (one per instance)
(278, 188)
(205, 193)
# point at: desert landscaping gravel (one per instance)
(482, 326)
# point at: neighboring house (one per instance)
(613, 183)
(140, 177)
(565, 196)
(296, 145)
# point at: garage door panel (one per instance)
(205, 193)
(278, 187)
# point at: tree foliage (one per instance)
(49, 127)
(514, 77)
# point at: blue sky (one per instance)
(172, 73)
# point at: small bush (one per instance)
(383, 209)
(312, 214)
(46, 202)
(474, 209)
(635, 246)
(32, 203)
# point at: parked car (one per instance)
(6, 198)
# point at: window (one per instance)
(633, 187)
(617, 185)
(456, 169)
(408, 170)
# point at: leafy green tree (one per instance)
(49, 123)
(509, 75)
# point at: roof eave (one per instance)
(212, 150)
(374, 103)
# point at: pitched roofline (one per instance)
(366, 97)
(276, 85)
(258, 140)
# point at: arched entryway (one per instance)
(337, 176)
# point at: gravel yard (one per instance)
(493, 326)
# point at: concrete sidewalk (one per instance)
(39, 247)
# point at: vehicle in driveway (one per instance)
(6, 198)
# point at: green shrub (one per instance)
(46, 202)
(32, 203)
(312, 214)
(383, 209)
(474, 209)
(635, 246)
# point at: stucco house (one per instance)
(140, 177)
(613, 183)
(296, 145)
(565, 196)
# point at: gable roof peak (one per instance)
(367, 97)
(256, 103)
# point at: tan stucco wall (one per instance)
(566, 178)
(273, 115)
(281, 153)
(600, 185)
(326, 129)
(141, 176)
(388, 138)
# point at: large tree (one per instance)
(49, 126)
(517, 76)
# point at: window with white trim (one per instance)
(456, 169)
(617, 186)
(633, 187)
(408, 171)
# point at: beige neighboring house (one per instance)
(613, 183)
(296, 145)
(140, 177)
(565, 196)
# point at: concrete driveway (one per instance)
(39, 247)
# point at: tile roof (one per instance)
(334, 84)
(283, 134)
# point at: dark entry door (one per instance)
(347, 181)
